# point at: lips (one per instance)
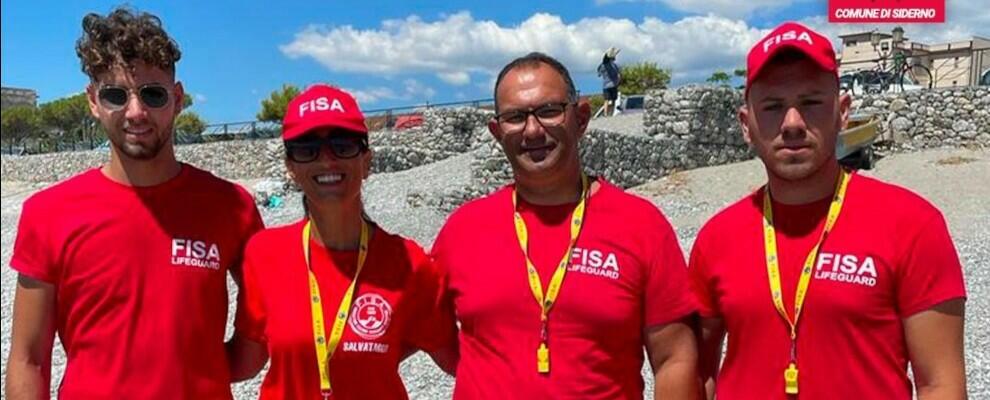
(538, 153)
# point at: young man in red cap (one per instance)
(128, 262)
(527, 332)
(828, 283)
(334, 300)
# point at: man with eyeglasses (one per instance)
(127, 262)
(527, 332)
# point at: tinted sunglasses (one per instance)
(153, 95)
(307, 149)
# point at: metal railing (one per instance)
(376, 119)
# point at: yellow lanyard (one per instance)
(324, 351)
(577, 219)
(773, 270)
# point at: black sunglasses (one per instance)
(153, 95)
(307, 149)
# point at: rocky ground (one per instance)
(953, 179)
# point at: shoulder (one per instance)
(899, 201)
(730, 219)
(481, 210)
(631, 208)
(277, 238)
(50, 198)
(217, 186)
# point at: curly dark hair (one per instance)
(122, 37)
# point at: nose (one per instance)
(135, 108)
(793, 121)
(533, 128)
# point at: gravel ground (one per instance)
(954, 179)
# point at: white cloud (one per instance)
(457, 78)
(413, 90)
(462, 50)
(199, 98)
(458, 45)
(726, 8)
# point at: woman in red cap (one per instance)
(333, 299)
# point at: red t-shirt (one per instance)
(397, 308)
(140, 275)
(626, 273)
(888, 257)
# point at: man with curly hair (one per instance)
(127, 262)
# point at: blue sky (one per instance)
(403, 53)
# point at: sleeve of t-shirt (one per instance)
(931, 272)
(36, 250)
(698, 275)
(251, 317)
(433, 325)
(667, 296)
(251, 223)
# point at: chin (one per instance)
(139, 151)
(795, 171)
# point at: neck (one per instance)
(557, 191)
(817, 186)
(142, 173)
(337, 226)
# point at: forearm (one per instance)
(447, 358)
(954, 390)
(246, 358)
(26, 380)
(677, 379)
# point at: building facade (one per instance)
(12, 97)
(959, 63)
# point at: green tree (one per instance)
(273, 108)
(187, 101)
(69, 118)
(719, 78)
(189, 124)
(640, 77)
(741, 74)
(18, 123)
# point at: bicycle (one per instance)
(901, 76)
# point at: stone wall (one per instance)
(685, 128)
(241, 159)
(932, 118)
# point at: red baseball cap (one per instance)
(322, 106)
(790, 35)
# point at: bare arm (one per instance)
(935, 346)
(710, 352)
(447, 357)
(32, 337)
(246, 357)
(674, 357)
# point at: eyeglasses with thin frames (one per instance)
(550, 115)
(152, 95)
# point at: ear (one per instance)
(495, 130)
(180, 97)
(743, 116)
(845, 106)
(92, 98)
(583, 114)
(367, 158)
